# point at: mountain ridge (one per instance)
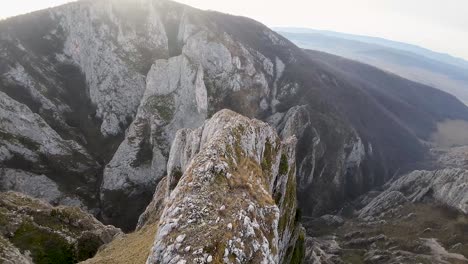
(441, 56)
(423, 68)
(196, 63)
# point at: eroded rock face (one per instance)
(77, 75)
(175, 97)
(114, 57)
(9, 254)
(229, 197)
(323, 250)
(329, 165)
(381, 204)
(28, 142)
(119, 78)
(33, 231)
(181, 92)
(447, 186)
(38, 186)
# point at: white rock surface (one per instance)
(231, 151)
(175, 97)
(26, 134)
(382, 203)
(37, 186)
(108, 54)
(447, 186)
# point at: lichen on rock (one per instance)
(222, 208)
(33, 231)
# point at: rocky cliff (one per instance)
(229, 197)
(448, 187)
(420, 216)
(103, 86)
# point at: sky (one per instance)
(439, 25)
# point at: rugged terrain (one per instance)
(114, 107)
(418, 218)
(33, 231)
(229, 197)
(94, 91)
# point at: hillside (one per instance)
(415, 49)
(438, 70)
(93, 93)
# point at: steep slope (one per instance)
(447, 187)
(443, 72)
(32, 231)
(115, 80)
(229, 197)
(407, 233)
(400, 97)
(418, 218)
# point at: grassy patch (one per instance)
(164, 106)
(3, 217)
(133, 248)
(283, 167)
(299, 250)
(87, 246)
(289, 205)
(45, 247)
(267, 156)
(353, 257)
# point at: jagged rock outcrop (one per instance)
(28, 142)
(229, 196)
(175, 97)
(33, 231)
(210, 66)
(114, 80)
(326, 161)
(38, 186)
(381, 204)
(114, 56)
(323, 250)
(454, 157)
(446, 186)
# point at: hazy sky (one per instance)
(440, 25)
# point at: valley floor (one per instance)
(412, 233)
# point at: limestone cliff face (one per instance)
(114, 56)
(229, 196)
(181, 92)
(330, 161)
(128, 75)
(175, 97)
(27, 142)
(446, 186)
(147, 68)
(102, 87)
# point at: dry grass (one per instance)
(429, 221)
(131, 248)
(246, 176)
(451, 133)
